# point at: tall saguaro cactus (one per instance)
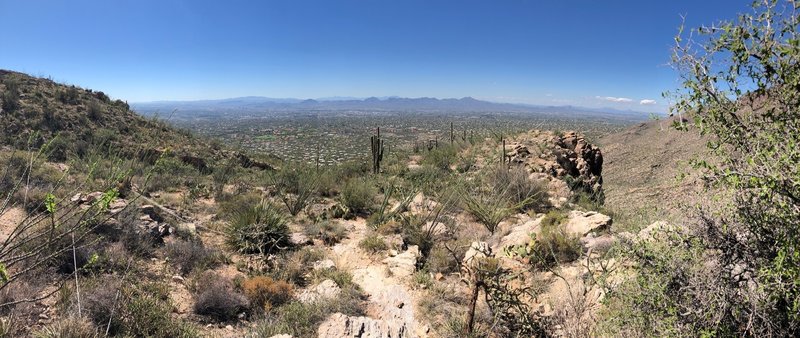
(376, 145)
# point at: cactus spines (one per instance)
(376, 146)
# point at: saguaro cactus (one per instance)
(376, 145)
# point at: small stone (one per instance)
(43, 316)
(177, 279)
(438, 276)
(324, 264)
(229, 327)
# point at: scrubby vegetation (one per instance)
(118, 225)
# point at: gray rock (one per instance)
(339, 325)
(405, 263)
(325, 289)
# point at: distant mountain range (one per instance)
(252, 105)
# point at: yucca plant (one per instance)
(261, 229)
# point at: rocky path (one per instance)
(391, 308)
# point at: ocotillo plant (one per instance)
(376, 145)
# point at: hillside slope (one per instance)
(647, 173)
(34, 111)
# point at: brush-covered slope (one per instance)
(74, 121)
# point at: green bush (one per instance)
(358, 195)
(739, 267)
(70, 327)
(489, 210)
(260, 229)
(554, 218)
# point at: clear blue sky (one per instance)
(541, 52)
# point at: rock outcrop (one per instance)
(342, 326)
(568, 157)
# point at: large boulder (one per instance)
(582, 223)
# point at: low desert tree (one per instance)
(741, 89)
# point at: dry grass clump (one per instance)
(190, 255)
(266, 293)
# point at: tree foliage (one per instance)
(741, 86)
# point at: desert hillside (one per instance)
(489, 236)
(647, 172)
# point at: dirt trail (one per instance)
(390, 299)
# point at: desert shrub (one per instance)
(138, 243)
(422, 279)
(441, 158)
(358, 195)
(99, 303)
(218, 299)
(295, 184)
(293, 266)
(95, 111)
(554, 246)
(171, 173)
(149, 315)
(373, 244)
(330, 232)
(489, 210)
(441, 260)
(428, 179)
(342, 278)
(10, 100)
(70, 95)
(518, 188)
(266, 293)
(302, 319)
(70, 327)
(187, 256)
(57, 149)
(328, 182)
(260, 229)
(465, 163)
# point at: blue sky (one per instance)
(587, 53)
